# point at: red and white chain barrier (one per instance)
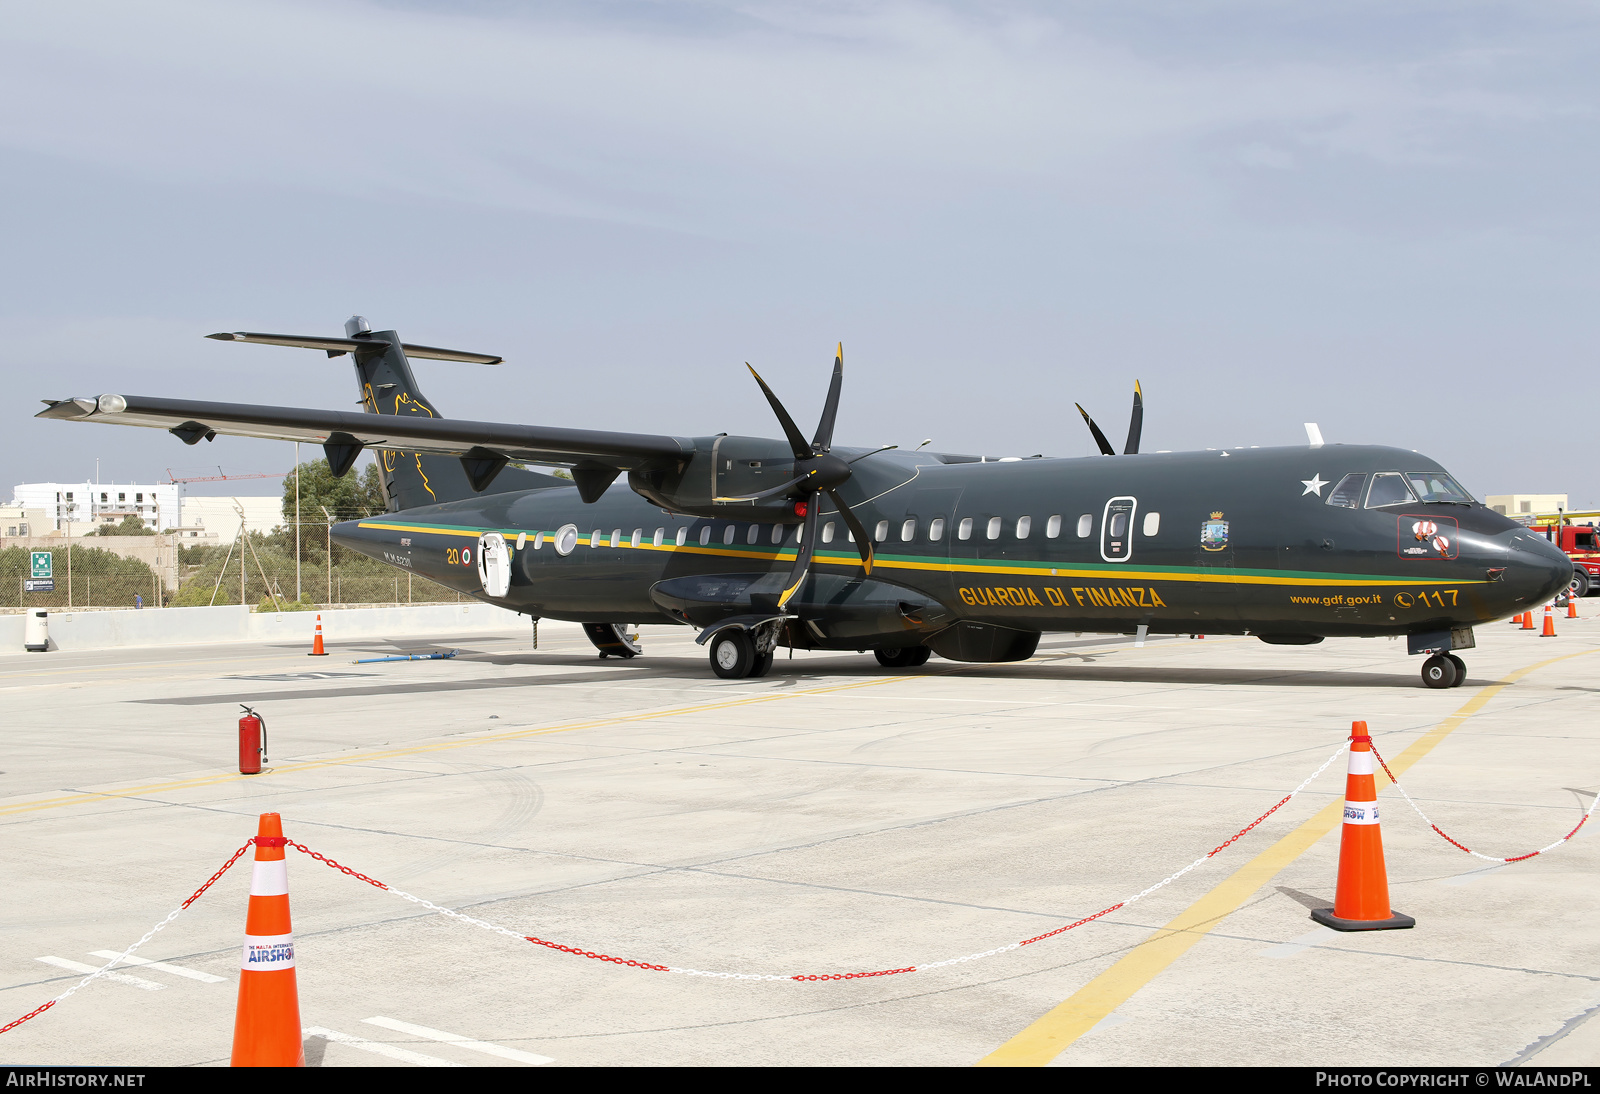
(649, 966)
(923, 967)
(1487, 858)
(148, 935)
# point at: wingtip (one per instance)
(1137, 390)
(1082, 411)
(224, 336)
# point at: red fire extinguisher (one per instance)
(252, 742)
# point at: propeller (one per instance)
(1135, 425)
(821, 472)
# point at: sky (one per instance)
(1378, 217)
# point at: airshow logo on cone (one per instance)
(266, 1028)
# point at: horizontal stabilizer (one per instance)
(336, 346)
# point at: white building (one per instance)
(220, 517)
(80, 507)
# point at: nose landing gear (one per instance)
(1444, 670)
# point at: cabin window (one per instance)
(1347, 495)
(827, 531)
(682, 537)
(522, 540)
(566, 539)
(595, 537)
(935, 529)
(964, 529)
(908, 531)
(1085, 525)
(754, 534)
(727, 535)
(705, 535)
(993, 531)
(659, 537)
(1119, 524)
(1152, 523)
(881, 532)
(1024, 526)
(777, 533)
(616, 537)
(1388, 488)
(538, 541)
(1052, 527)
(638, 536)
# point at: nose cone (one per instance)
(1536, 569)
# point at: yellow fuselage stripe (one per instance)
(1064, 572)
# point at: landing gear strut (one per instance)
(1444, 670)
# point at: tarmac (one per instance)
(829, 818)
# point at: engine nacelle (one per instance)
(723, 466)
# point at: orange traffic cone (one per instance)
(266, 1027)
(1361, 901)
(1527, 620)
(316, 643)
(1572, 605)
(1516, 620)
(1549, 624)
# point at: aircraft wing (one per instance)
(192, 420)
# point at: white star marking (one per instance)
(1313, 485)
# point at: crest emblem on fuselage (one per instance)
(1214, 533)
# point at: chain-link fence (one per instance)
(256, 570)
(85, 577)
(260, 570)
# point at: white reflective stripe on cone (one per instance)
(270, 878)
(1360, 763)
(1360, 812)
(267, 952)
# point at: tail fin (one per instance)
(411, 479)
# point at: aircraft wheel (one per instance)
(1439, 671)
(732, 654)
(902, 657)
(1461, 670)
(760, 665)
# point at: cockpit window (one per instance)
(1388, 488)
(1437, 486)
(1348, 493)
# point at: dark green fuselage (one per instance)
(1243, 541)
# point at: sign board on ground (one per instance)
(39, 585)
(41, 564)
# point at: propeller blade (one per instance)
(1136, 422)
(802, 560)
(1099, 437)
(823, 441)
(790, 485)
(797, 440)
(863, 541)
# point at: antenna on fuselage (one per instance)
(1313, 435)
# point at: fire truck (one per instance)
(1580, 541)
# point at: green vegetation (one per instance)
(95, 578)
(130, 526)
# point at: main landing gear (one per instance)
(1444, 670)
(902, 657)
(734, 656)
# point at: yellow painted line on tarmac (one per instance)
(1055, 1032)
(80, 798)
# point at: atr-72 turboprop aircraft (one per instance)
(796, 542)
